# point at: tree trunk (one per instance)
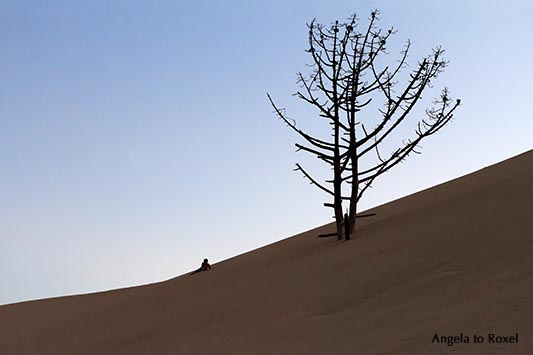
(352, 221)
(338, 222)
(354, 193)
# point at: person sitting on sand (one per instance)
(205, 266)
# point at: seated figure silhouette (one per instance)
(205, 266)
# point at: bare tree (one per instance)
(346, 77)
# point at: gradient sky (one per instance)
(136, 138)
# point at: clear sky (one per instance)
(136, 137)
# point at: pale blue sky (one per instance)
(136, 137)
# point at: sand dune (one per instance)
(456, 258)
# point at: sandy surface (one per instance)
(457, 258)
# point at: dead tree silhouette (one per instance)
(346, 76)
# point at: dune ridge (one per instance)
(454, 260)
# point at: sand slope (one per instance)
(457, 258)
